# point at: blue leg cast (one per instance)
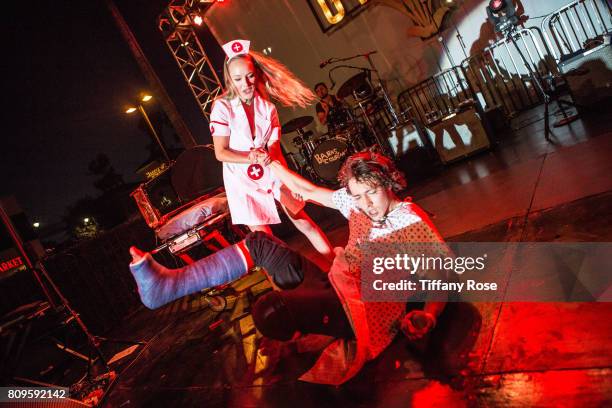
(158, 285)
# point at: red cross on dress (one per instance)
(255, 171)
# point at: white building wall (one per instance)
(292, 32)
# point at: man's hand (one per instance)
(416, 324)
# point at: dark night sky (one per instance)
(67, 76)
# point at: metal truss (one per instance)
(177, 27)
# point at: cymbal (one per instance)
(352, 84)
(297, 123)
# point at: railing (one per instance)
(510, 73)
(571, 29)
(437, 96)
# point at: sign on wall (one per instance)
(332, 14)
(427, 16)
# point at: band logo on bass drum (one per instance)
(329, 156)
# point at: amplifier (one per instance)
(589, 77)
(458, 135)
(195, 174)
(156, 198)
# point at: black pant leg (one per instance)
(287, 268)
(308, 310)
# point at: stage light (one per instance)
(131, 109)
(36, 224)
(146, 98)
(86, 220)
(197, 20)
(502, 16)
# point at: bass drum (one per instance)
(327, 159)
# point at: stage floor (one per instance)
(484, 354)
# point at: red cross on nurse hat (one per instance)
(236, 47)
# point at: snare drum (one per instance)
(328, 157)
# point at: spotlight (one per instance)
(197, 20)
(502, 15)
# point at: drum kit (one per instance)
(320, 157)
(351, 128)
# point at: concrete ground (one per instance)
(482, 354)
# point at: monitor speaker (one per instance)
(458, 135)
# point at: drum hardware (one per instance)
(308, 147)
(294, 164)
(353, 136)
(339, 117)
(367, 96)
(303, 141)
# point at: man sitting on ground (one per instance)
(313, 301)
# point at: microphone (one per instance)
(333, 83)
(326, 62)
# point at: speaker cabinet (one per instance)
(589, 76)
(194, 174)
(458, 135)
(156, 198)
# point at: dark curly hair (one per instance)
(373, 168)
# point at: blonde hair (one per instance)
(273, 79)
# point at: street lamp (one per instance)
(139, 107)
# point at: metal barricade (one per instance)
(437, 96)
(571, 29)
(510, 72)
